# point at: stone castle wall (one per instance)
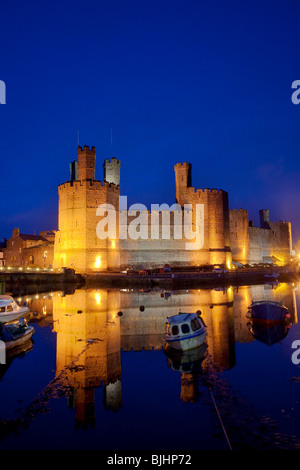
(227, 234)
(271, 242)
(239, 235)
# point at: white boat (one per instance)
(15, 335)
(185, 331)
(10, 310)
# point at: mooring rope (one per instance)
(220, 419)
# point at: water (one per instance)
(97, 376)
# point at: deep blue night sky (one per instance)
(198, 81)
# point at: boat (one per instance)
(189, 365)
(10, 310)
(186, 361)
(269, 334)
(15, 334)
(267, 311)
(185, 331)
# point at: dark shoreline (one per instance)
(16, 282)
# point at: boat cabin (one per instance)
(6, 304)
(184, 324)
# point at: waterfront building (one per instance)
(29, 250)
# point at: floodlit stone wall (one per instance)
(227, 235)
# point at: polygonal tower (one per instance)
(216, 249)
(76, 243)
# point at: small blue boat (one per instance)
(185, 331)
(267, 311)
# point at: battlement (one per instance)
(239, 211)
(183, 164)
(95, 184)
(107, 160)
(86, 148)
(199, 191)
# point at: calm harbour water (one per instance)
(97, 376)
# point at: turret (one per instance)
(86, 163)
(183, 179)
(264, 218)
(111, 171)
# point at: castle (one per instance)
(228, 235)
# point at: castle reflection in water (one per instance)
(93, 326)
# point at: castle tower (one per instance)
(91, 340)
(216, 249)
(264, 218)
(86, 163)
(183, 179)
(77, 245)
(111, 170)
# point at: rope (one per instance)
(220, 419)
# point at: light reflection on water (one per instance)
(97, 375)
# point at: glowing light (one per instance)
(113, 243)
(98, 262)
(98, 298)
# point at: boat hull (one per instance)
(269, 334)
(7, 317)
(187, 343)
(267, 312)
(19, 341)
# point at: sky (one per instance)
(170, 81)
